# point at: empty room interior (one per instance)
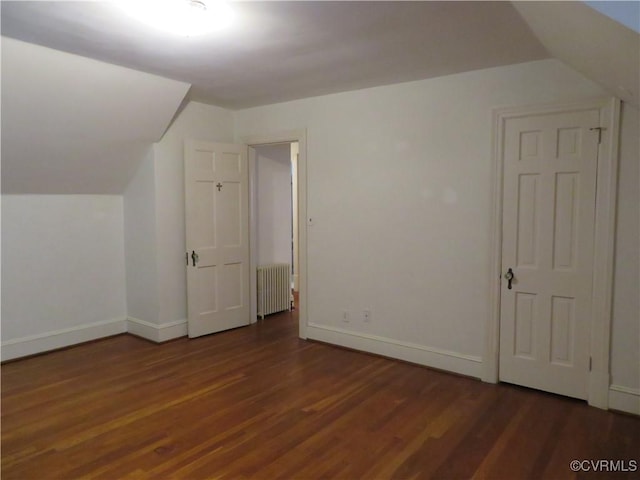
(309, 239)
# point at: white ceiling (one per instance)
(278, 51)
(71, 124)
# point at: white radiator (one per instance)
(274, 288)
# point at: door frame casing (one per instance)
(252, 141)
(604, 240)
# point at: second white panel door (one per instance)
(550, 164)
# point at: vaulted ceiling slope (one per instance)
(593, 44)
(72, 125)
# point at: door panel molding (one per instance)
(216, 225)
(604, 240)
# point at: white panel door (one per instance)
(549, 190)
(217, 231)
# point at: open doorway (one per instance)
(302, 222)
(276, 210)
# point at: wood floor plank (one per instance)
(258, 402)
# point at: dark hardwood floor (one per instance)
(257, 402)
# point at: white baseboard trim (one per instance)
(624, 399)
(157, 333)
(428, 356)
(43, 342)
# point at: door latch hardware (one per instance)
(194, 257)
(599, 129)
(219, 186)
(509, 276)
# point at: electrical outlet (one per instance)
(366, 316)
(345, 316)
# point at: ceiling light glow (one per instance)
(181, 17)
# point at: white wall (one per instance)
(197, 121)
(155, 225)
(140, 243)
(63, 273)
(273, 193)
(399, 187)
(625, 338)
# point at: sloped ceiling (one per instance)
(284, 50)
(593, 44)
(74, 125)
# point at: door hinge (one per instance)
(599, 129)
(590, 363)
